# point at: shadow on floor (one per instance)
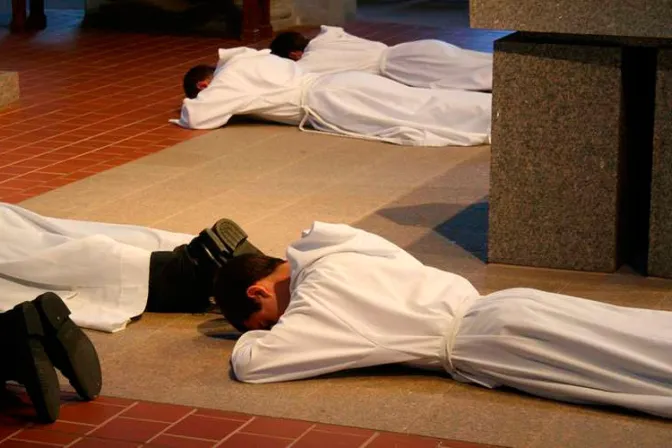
(467, 227)
(218, 328)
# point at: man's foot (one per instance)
(213, 247)
(68, 347)
(181, 281)
(25, 359)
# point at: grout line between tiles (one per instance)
(303, 434)
(172, 425)
(67, 144)
(289, 439)
(180, 436)
(102, 424)
(373, 437)
(76, 423)
(236, 431)
(12, 434)
(37, 442)
(237, 420)
(149, 420)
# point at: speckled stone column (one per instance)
(9, 88)
(660, 233)
(555, 153)
(632, 18)
(577, 179)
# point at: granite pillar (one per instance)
(555, 153)
(660, 236)
(9, 88)
(580, 179)
(623, 18)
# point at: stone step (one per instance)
(9, 88)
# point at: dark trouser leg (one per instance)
(175, 285)
(181, 281)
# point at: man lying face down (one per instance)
(57, 275)
(111, 273)
(427, 63)
(356, 104)
(346, 299)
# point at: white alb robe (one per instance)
(100, 270)
(428, 63)
(355, 104)
(358, 300)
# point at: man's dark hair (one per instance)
(193, 77)
(232, 281)
(289, 41)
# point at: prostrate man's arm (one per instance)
(305, 343)
(213, 107)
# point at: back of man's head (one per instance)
(195, 79)
(287, 43)
(232, 282)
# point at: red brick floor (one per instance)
(121, 423)
(93, 100)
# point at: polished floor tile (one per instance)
(131, 423)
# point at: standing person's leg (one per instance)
(568, 349)
(181, 280)
(434, 64)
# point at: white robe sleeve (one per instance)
(214, 107)
(307, 342)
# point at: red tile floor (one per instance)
(93, 100)
(120, 423)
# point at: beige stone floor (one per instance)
(275, 180)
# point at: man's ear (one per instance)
(295, 55)
(258, 292)
(202, 85)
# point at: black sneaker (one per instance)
(25, 359)
(68, 347)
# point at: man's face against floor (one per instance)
(272, 293)
(266, 317)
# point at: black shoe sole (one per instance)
(68, 347)
(33, 367)
(234, 237)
